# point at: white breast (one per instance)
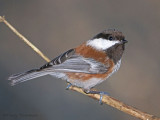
(115, 68)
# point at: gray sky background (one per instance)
(55, 26)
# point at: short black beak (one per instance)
(124, 41)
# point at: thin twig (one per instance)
(106, 99)
(2, 19)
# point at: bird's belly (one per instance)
(88, 81)
(86, 84)
(85, 80)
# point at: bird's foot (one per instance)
(101, 93)
(69, 85)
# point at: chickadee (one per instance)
(85, 66)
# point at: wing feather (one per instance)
(72, 62)
(66, 62)
(80, 64)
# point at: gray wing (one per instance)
(66, 62)
(71, 62)
(60, 59)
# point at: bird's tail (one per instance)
(22, 77)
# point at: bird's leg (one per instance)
(101, 93)
(69, 85)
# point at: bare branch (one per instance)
(106, 99)
(119, 105)
(2, 19)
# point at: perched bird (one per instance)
(85, 66)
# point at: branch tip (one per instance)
(2, 18)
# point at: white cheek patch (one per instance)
(101, 44)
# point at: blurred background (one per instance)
(55, 26)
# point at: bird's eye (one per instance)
(110, 38)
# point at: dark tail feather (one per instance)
(22, 77)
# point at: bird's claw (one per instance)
(101, 93)
(69, 85)
(101, 96)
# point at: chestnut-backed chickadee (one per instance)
(85, 66)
